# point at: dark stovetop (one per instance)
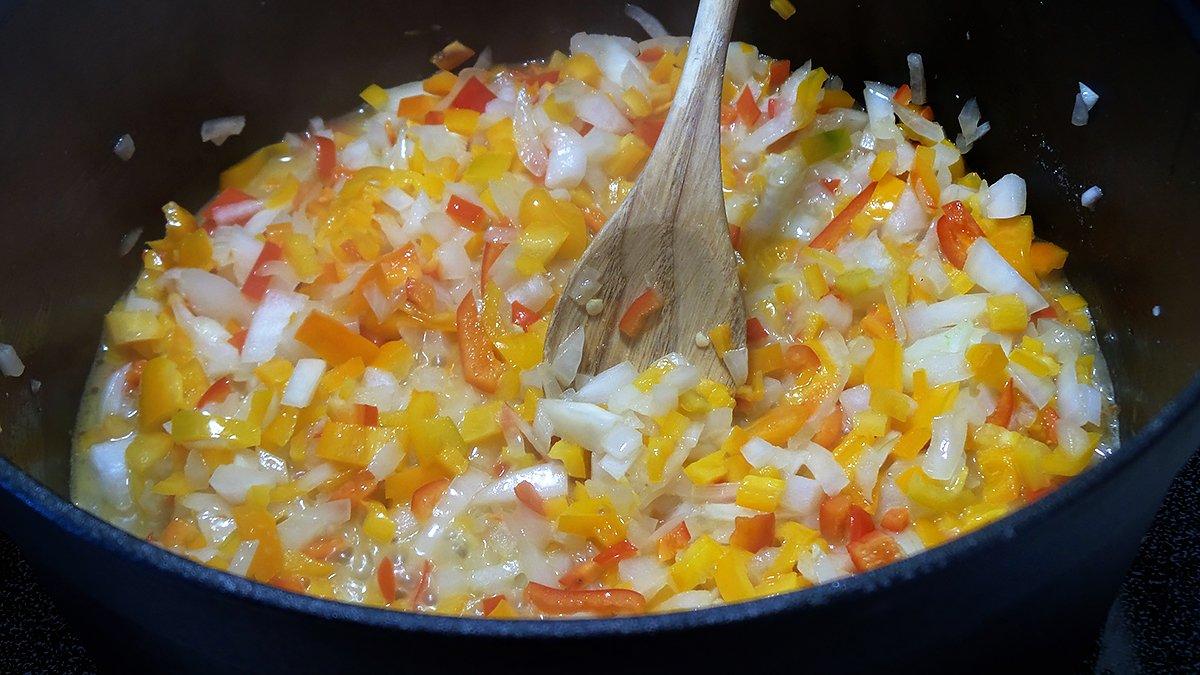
(1154, 625)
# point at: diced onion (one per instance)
(568, 355)
(1006, 197)
(268, 323)
(124, 147)
(916, 78)
(232, 481)
(549, 479)
(10, 363)
(1090, 196)
(948, 434)
(243, 555)
(600, 388)
(301, 529)
(651, 25)
(737, 362)
(210, 295)
(385, 461)
(454, 501)
(826, 469)
(990, 270)
(926, 319)
(108, 461)
(582, 423)
(303, 382)
(567, 160)
(217, 131)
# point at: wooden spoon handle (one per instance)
(692, 132)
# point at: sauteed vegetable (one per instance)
(331, 377)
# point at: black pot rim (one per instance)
(77, 522)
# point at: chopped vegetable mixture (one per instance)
(331, 378)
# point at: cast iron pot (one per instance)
(76, 75)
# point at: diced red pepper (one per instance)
(215, 393)
(673, 542)
(1045, 425)
(489, 604)
(747, 108)
(649, 129)
(895, 520)
(256, 284)
(634, 319)
(482, 369)
(834, 518)
(774, 106)
(491, 251)
(728, 114)
(324, 547)
(1002, 415)
(368, 415)
(839, 227)
(420, 294)
(326, 158)
(779, 70)
(133, 377)
(386, 576)
(427, 496)
(903, 95)
(469, 215)
(874, 550)
(523, 316)
(735, 237)
(831, 184)
(601, 601)
(435, 117)
(956, 231)
(755, 333)
(422, 585)
(238, 339)
(753, 533)
(616, 553)
(227, 197)
(1044, 313)
(590, 571)
(474, 95)
(290, 582)
(651, 54)
(859, 523)
(528, 495)
(831, 429)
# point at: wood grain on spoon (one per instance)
(670, 234)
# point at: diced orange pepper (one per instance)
(780, 423)
(839, 227)
(333, 341)
(753, 533)
(633, 321)
(599, 601)
(874, 550)
(956, 231)
(482, 369)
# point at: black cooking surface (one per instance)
(1154, 625)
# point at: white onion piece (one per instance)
(942, 355)
(533, 292)
(1038, 390)
(622, 442)
(760, 453)
(581, 423)
(316, 476)
(688, 600)
(303, 382)
(1005, 198)
(525, 134)
(10, 362)
(926, 319)
(1078, 403)
(644, 574)
(385, 461)
(880, 109)
(567, 160)
(968, 122)
(549, 479)
(991, 271)
(211, 295)
(801, 495)
(651, 25)
(916, 78)
(217, 131)
(210, 340)
(1090, 97)
(453, 503)
(268, 323)
(243, 555)
(568, 355)
(826, 469)
(587, 283)
(1090, 196)
(930, 131)
(855, 399)
(737, 362)
(599, 111)
(232, 481)
(866, 471)
(112, 474)
(124, 147)
(600, 388)
(945, 457)
(301, 529)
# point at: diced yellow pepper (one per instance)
(174, 485)
(377, 525)
(636, 102)
(808, 96)
(882, 164)
(559, 111)
(731, 576)
(895, 404)
(161, 393)
(353, 444)
(480, 424)
(280, 430)
(1045, 257)
(461, 121)
(573, 457)
(436, 441)
(595, 519)
(1031, 355)
(582, 67)
(631, 152)
(760, 493)
(400, 486)
(1007, 313)
(1001, 482)
(707, 470)
(274, 373)
(375, 96)
(539, 244)
(696, 564)
(487, 167)
(885, 366)
(191, 426)
(125, 327)
(147, 449)
(784, 8)
(988, 363)
(440, 83)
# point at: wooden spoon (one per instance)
(670, 234)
